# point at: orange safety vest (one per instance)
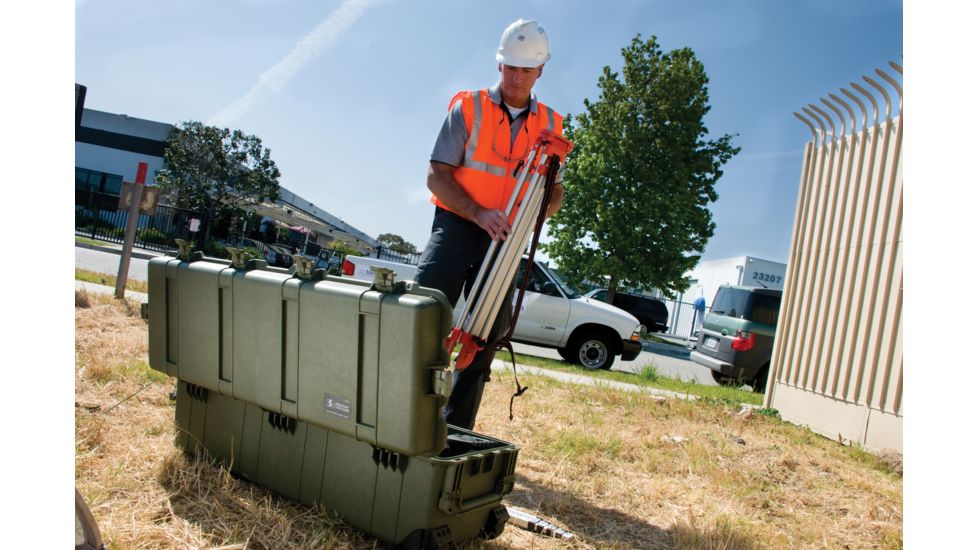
(486, 173)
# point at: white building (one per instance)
(109, 148)
(708, 276)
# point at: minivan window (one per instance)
(743, 304)
(764, 309)
(730, 302)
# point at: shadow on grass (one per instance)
(603, 527)
(230, 510)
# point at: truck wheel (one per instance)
(592, 350)
(760, 381)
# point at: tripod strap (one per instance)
(553, 164)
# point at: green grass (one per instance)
(86, 240)
(108, 280)
(649, 377)
(574, 444)
(142, 372)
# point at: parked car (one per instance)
(651, 313)
(278, 256)
(553, 315)
(737, 336)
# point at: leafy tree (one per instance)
(342, 247)
(213, 170)
(641, 175)
(397, 243)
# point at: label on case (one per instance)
(338, 406)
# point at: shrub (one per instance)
(154, 236)
(650, 372)
(215, 249)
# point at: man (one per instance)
(484, 138)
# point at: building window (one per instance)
(98, 182)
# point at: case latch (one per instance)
(186, 251)
(441, 381)
(383, 279)
(238, 257)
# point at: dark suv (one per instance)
(651, 313)
(738, 335)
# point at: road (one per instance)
(107, 262)
(672, 361)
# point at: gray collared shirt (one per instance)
(450, 145)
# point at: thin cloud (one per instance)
(272, 81)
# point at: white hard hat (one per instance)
(523, 44)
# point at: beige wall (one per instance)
(838, 358)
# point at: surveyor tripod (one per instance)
(530, 198)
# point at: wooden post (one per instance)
(131, 225)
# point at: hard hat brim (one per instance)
(514, 61)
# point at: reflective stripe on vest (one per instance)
(485, 175)
(473, 142)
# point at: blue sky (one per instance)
(349, 95)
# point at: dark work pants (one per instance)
(449, 263)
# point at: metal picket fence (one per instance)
(837, 364)
(97, 218)
(682, 316)
(384, 253)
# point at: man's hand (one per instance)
(494, 222)
(441, 182)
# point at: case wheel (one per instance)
(495, 524)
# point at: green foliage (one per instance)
(88, 220)
(650, 372)
(153, 235)
(216, 249)
(641, 175)
(342, 248)
(397, 243)
(688, 386)
(209, 169)
(108, 280)
(769, 412)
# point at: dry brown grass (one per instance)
(593, 461)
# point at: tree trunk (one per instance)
(612, 288)
(208, 218)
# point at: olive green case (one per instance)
(334, 352)
(327, 390)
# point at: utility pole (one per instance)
(131, 225)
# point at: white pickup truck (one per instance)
(585, 331)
